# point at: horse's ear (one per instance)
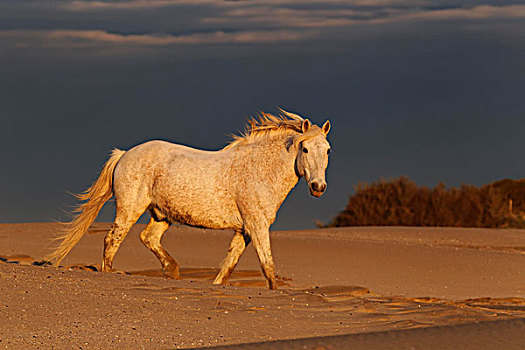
(326, 127)
(306, 125)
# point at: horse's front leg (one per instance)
(261, 242)
(239, 242)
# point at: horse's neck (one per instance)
(279, 163)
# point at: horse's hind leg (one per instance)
(151, 237)
(112, 242)
(123, 222)
(239, 242)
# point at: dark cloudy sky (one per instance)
(434, 90)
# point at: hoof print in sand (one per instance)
(20, 259)
(240, 278)
(82, 267)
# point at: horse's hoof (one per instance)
(218, 281)
(172, 273)
(272, 285)
(106, 269)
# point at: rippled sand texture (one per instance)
(77, 306)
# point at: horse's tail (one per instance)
(95, 197)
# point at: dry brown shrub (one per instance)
(401, 202)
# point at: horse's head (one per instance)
(312, 156)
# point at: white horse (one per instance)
(239, 187)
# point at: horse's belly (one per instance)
(189, 210)
(203, 220)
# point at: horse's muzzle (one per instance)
(317, 190)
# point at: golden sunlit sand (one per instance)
(332, 282)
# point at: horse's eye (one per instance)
(305, 150)
(328, 151)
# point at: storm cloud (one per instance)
(428, 89)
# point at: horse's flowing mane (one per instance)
(266, 124)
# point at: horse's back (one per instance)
(152, 157)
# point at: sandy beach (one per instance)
(337, 286)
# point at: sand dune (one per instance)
(333, 282)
